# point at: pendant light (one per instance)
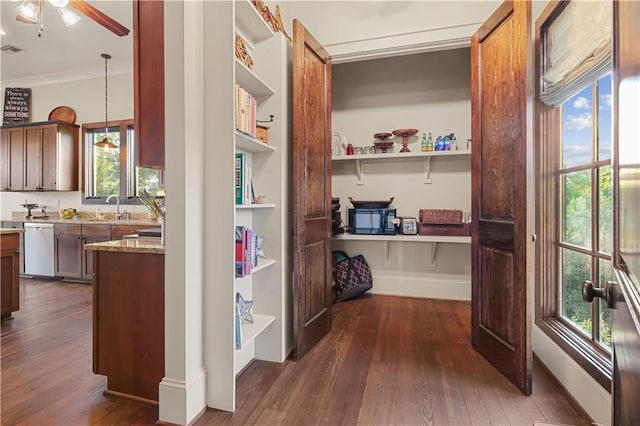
(105, 143)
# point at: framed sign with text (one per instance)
(17, 106)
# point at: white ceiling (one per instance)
(64, 53)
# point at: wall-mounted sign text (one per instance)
(17, 106)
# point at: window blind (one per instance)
(578, 49)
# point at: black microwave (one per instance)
(372, 221)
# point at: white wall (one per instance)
(86, 97)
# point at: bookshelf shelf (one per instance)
(255, 206)
(250, 24)
(240, 159)
(247, 143)
(263, 264)
(252, 330)
(250, 81)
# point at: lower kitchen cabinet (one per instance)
(10, 278)
(72, 261)
(68, 250)
(17, 225)
(92, 234)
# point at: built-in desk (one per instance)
(128, 316)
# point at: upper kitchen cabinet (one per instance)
(148, 71)
(39, 157)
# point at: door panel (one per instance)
(16, 159)
(311, 191)
(626, 315)
(501, 192)
(33, 158)
(49, 157)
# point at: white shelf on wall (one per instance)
(386, 239)
(405, 238)
(245, 142)
(251, 330)
(425, 156)
(401, 155)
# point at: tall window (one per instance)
(574, 219)
(585, 214)
(112, 171)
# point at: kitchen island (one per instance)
(10, 271)
(128, 316)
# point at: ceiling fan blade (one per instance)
(101, 18)
(26, 21)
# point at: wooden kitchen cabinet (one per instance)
(40, 157)
(10, 275)
(68, 250)
(119, 231)
(148, 85)
(92, 234)
(12, 159)
(17, 225)
(128, 318)
(72, 261)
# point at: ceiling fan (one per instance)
(30, 11)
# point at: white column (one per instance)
(182, 390)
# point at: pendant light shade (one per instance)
(105, 143)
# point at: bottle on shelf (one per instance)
(454, 143)
(429, 142)
(423, 144)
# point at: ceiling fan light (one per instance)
(69, 17)
(2, 32)
(28, 10)
(59, 3)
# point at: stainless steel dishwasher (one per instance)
(39, 249)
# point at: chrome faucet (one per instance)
(118, 215)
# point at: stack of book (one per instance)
(245, 111)
(246, 251)
(244, 187)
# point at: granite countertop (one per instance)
(129, 245)
(88, 218)
(6, 231)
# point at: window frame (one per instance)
(592, 357)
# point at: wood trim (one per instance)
(501, 14)
(572, 401)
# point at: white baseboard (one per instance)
(593, 398)
(435, 286)
(181, 401)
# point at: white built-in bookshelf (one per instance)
(268, 285)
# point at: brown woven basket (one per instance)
(440, 217)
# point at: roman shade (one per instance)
(578, 49)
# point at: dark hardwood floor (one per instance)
(387, 361)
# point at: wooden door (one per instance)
(501, 192)
(50, 157)
(626, 312)
(33, 158)
(311, 191)
(5, 165)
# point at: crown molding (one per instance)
(115, 68)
